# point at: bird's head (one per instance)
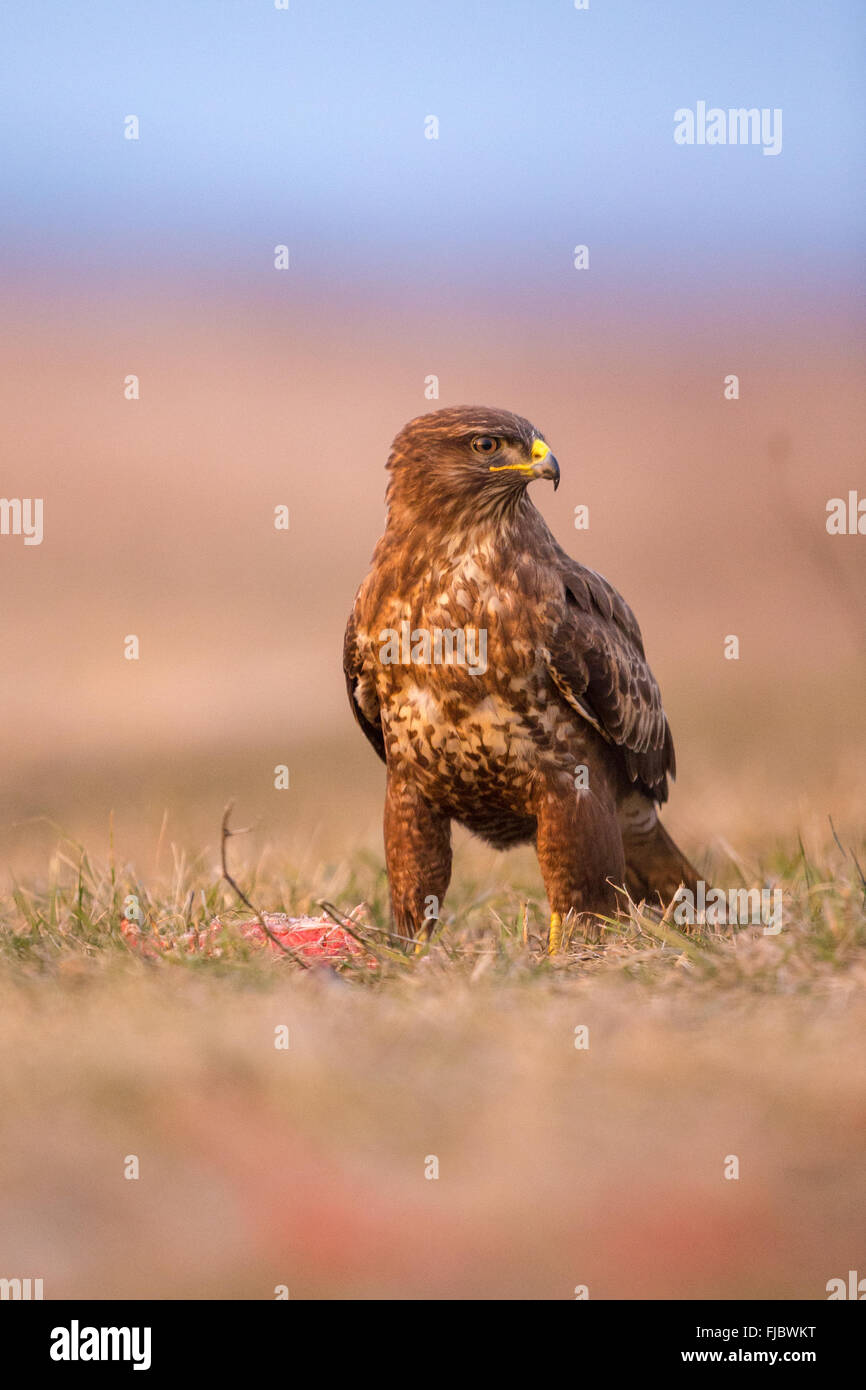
(465, 463)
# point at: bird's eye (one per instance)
(485, 444)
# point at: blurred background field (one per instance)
(258, 388)
(709, 515)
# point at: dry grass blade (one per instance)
(348, 926)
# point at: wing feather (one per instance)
(360, 689)
(597, 662)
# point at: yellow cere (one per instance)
(540, 450)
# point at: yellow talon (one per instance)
(554, 939)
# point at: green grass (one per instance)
(77, 910)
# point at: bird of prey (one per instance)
(503, 684)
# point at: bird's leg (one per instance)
(554, 936)
(417, 856)
(580, 853)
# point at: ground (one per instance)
(582, 1112)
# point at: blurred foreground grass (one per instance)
(559, 1165)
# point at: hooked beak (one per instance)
(544, 464)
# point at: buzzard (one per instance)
(504, 685)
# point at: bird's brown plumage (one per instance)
(555, 732)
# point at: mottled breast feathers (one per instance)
(596, 662)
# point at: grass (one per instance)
(78, 909)
(558, 1165)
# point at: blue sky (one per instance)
(307, 126)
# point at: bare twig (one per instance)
(226, 834)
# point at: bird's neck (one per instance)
(415, 548)
(451, 526)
